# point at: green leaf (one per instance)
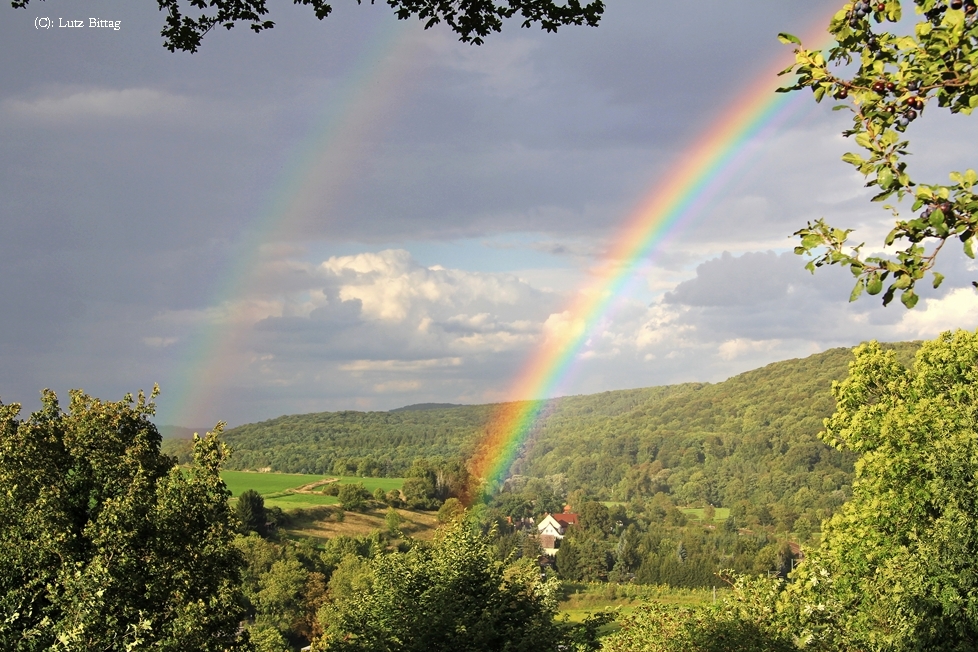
(938, 279)
(785, 37)
(909, 299)
(863, 140)
(856, 291)
(937, 218)
(853, 159)
(969, 249)
(888, 296)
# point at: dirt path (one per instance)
(312, 486)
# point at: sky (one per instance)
(358, 213)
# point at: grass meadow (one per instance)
(719, 516)
(281, 489)
(265, 483)
(582, 599)
(271, 483)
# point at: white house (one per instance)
(552, 528)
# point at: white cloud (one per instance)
(957, 309)
(399, 365)
(736, 348)
(98, 103)
(393, 287)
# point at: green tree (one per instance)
(472, 21)
(393, 521)
(280, 600)
(594, 517)
(453, 595)
(450, 510)
(265, 638)
(107, 544)
(352, 496)
(594, 559)
(419, 492)
(568, 561)
(887, 75)
(740, 623)
(896, 569)
(250, 511)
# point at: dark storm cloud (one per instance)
(132, 179)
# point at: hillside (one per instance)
(613, 444)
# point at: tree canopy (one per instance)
(888, 76)
(187, 21)
(451, 595)
(896, 568)
(107, 544)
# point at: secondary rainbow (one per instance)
(749, 120)
(319, 173)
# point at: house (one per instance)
(552, 529)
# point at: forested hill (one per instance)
(688, 440)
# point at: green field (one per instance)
(277, 487)
(720, 514)
(294, 501)
(371, 484)
(265, 483)
(583, 599)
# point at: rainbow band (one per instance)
(752, 119)
(315, 180)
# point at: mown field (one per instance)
(582, 599)
(322, 523)
(266, 483)
(720, 514)
(270, 483)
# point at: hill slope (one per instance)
(601, 442)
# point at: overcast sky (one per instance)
(361, 214)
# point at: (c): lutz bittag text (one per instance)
(92, 22)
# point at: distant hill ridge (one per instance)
(427, 406)
(745, 426)
(179, 432)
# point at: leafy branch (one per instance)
(472, 20)
(897, 76)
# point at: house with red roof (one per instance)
(552, 528)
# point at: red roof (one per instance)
(566, 518)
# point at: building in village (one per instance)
(552, 528)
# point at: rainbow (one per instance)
(316, 179)
(674, 202)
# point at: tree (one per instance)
(899, 73)
(280, 600)
(472, 21)
(453, 595)
(741, 623)
(450, 510)
(896, 569)
(352, 496)
(419, 493)
(107, 544)
(393, 521)
(250, 511)
(594, 517)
